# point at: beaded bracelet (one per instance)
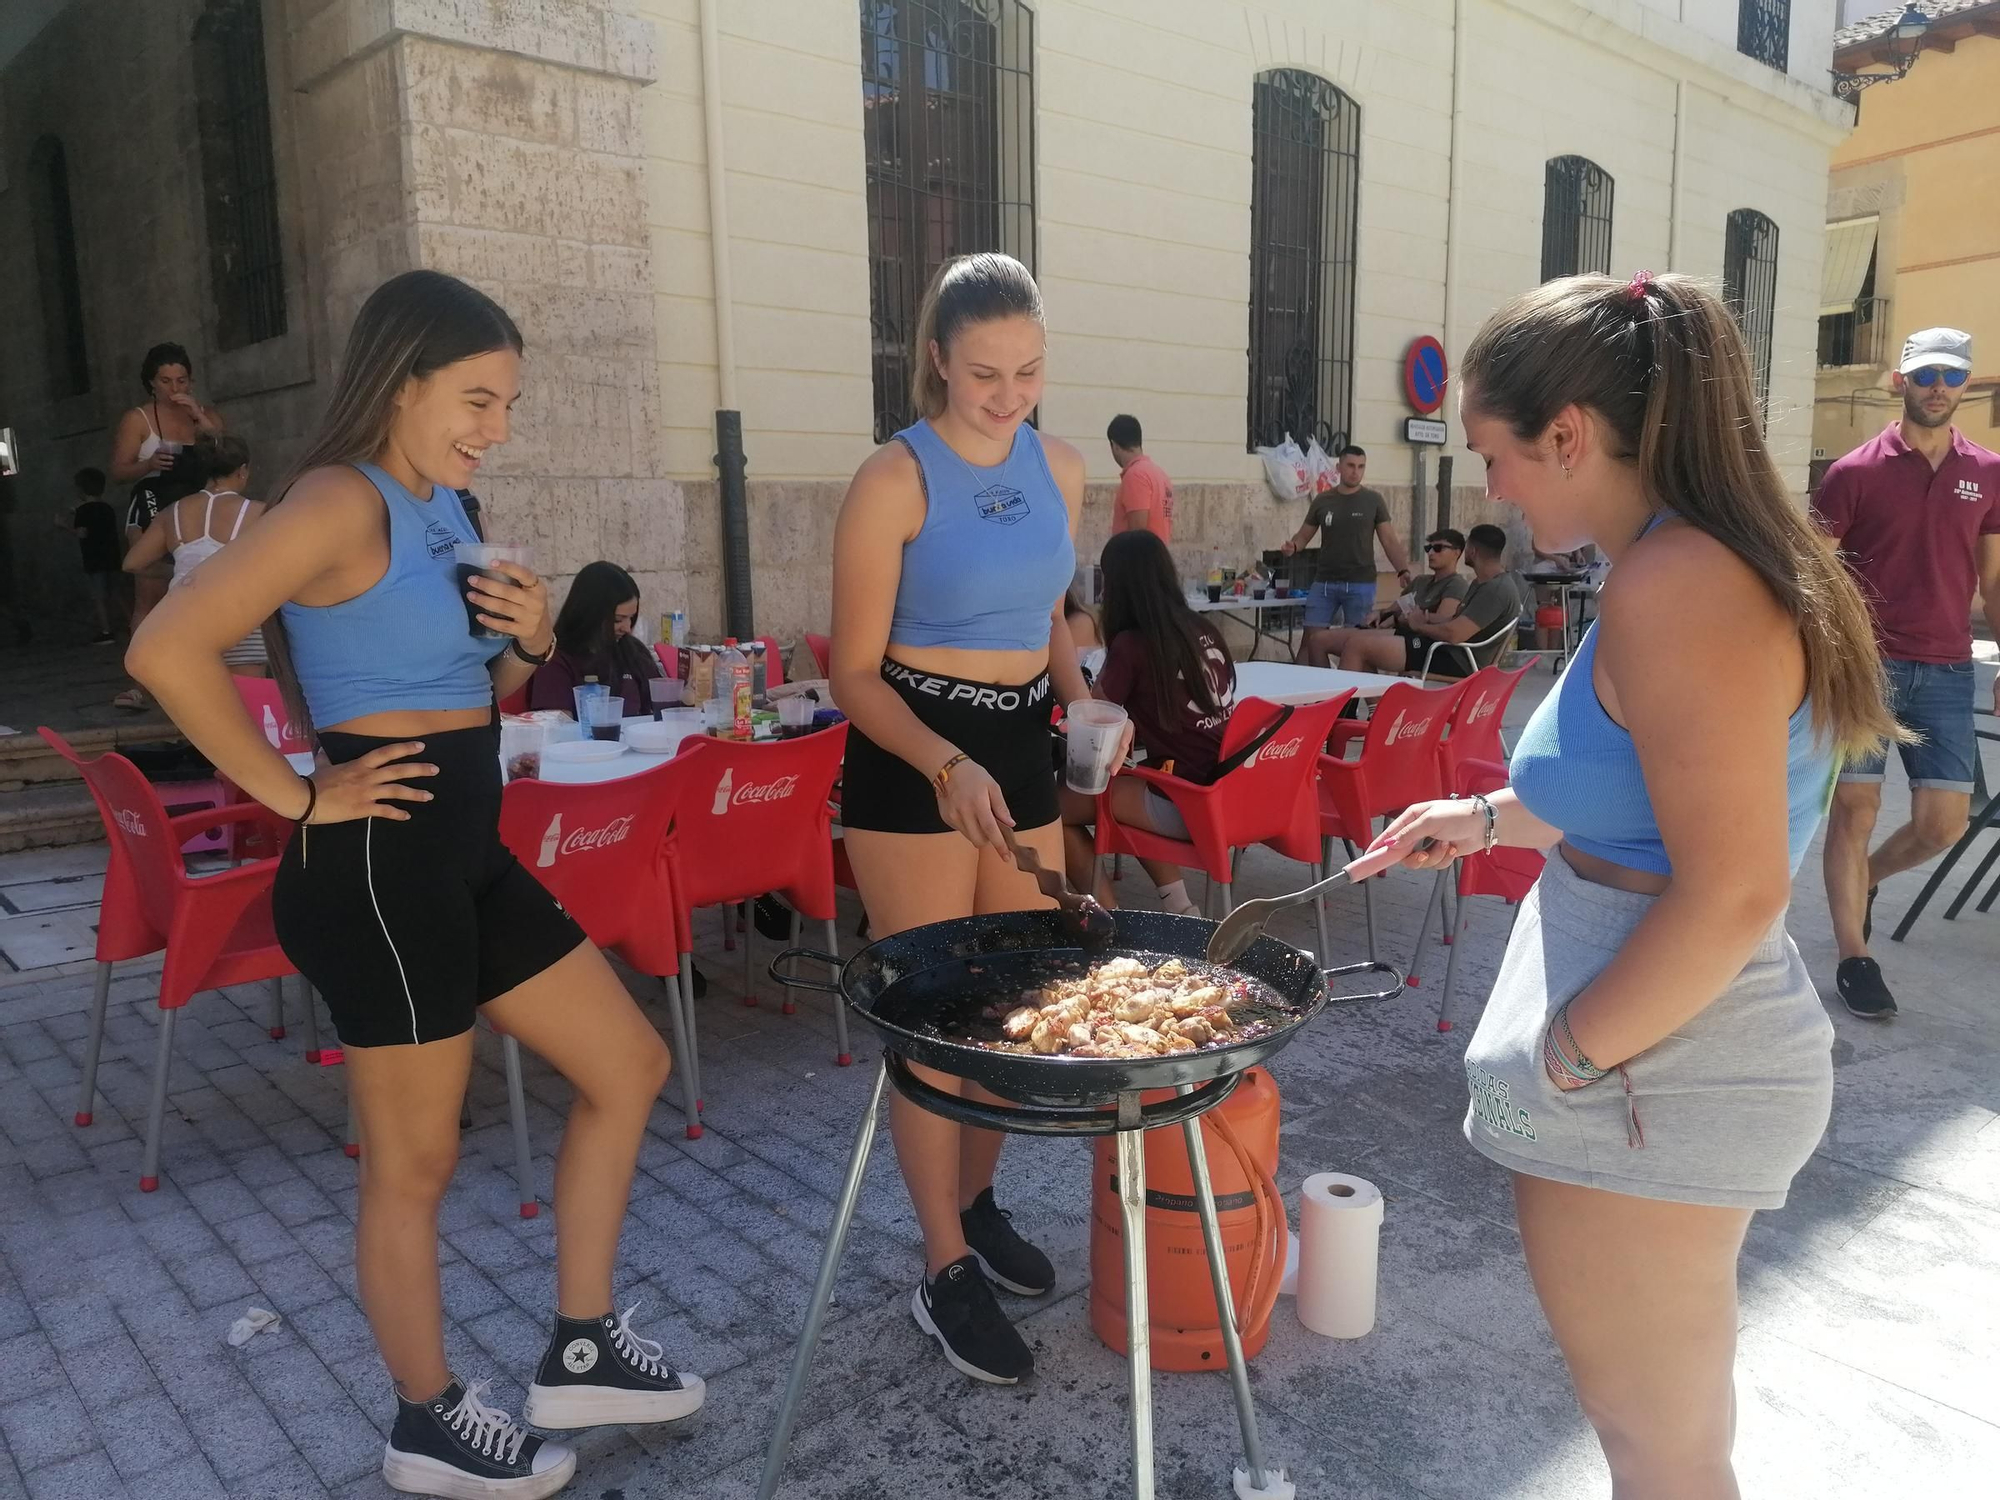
(1572, 1064)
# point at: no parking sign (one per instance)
(1424, 375)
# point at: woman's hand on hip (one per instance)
(370, 786)
(972, 804)
(518, 607)
(1431, 835)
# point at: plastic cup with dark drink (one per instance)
(471, 559)
(604, 717)
(1215, 593)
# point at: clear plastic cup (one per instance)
(603, 718)
(469, 558)
(586, 693)
(1095, 729)
(664, 692)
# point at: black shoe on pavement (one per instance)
(599, 1373)
(1862, 989)
(957, 1308)
(1008, 1260)
(773, 918)
(1868, 915)
(457, 1447)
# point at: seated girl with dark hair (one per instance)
(594, 639)
(1169, 670)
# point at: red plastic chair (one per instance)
(218, 927)
(1398, 765)
(515, 702)
(751, 819)
(601, 849)
(266, 704)
(1266, 800)
(1473, 734)
(1508, 873)
(821, 647)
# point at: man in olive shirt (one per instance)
(1349, 518)
(1496, 596)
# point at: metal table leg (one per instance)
(1225, 1300)
(1138, 1324)
(829, 1268)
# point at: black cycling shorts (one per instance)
(408, 928)
(1005, 729)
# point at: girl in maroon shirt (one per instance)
(1170, 671)
(594, 639)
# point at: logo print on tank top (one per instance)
(1001, 504)
(440, 539)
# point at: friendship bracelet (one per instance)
(943, 776)
(1583, 1067)
(1554, 1062)
(1492, 820)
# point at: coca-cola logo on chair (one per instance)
(728, 794)
(1281, 749)
(581, 840)
(131, 822)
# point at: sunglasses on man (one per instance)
(1930, 375)
(1439, 547)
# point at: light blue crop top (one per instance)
(406, 642)
(1577, 769)
(994, 556)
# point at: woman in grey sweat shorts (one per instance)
(1654, 1064)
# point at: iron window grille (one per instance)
(948, 111)
(1764, 31)
(239, 174)
(1750, 286)
(1576, 218)
(1305, 187)
(55, 264)
(1859, 337)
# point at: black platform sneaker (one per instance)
(1007, 1259)
(957, 1308)
(458, 1447)
(599, 1373)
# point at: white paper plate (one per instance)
(583, 750)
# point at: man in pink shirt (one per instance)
(1916, 513)
(1145, 495)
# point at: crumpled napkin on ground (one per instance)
(250, 1325)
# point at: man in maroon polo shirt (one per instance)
(1917, 515)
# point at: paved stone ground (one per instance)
(1871, 1303)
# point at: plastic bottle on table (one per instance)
(759, 676)
(732, 683)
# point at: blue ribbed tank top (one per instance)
(406, 642)
(994, 556)
(1577, 769)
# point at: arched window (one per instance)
(1750, 286)
(1305, 184)
(948, 111)
(61, 286)
(239, 174)
(1576, 218)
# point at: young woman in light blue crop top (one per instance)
(395, 897)
(950, 648)
(1653, 1064)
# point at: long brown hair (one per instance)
(411, 326)
(1660, 359)
(1142, 592)
(967, 289)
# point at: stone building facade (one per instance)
(559, 153)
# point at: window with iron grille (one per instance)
(1764, 31)
(1576, 218)
(948, 110)
(61, 290)
(1750, 286)
(239, 174)
(1305, 183)
(1855, 336)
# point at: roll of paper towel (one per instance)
(1340, 1230)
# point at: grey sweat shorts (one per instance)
(1722, 1112)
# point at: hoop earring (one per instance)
(1565, 469)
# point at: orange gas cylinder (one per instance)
(1240, 1136)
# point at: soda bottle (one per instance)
(759, 674)
(732, 679)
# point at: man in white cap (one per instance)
(1917, 515)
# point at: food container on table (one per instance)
(664, 737)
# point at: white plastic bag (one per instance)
(1286, 473)
(1322, 473)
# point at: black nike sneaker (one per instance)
(599, 1373)
(957, 1308)
(1008, 1260)
(457, 1447)
(1862, 989)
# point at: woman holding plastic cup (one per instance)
(395, 897)
(954, 549)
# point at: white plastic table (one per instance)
(1286, 682)
(1254, 616)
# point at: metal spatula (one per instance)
(1084, 914)
(1243, 926)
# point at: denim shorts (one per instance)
(1339, 604)
(1935, 700)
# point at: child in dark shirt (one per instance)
(95, 525)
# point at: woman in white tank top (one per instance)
(194, 529)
